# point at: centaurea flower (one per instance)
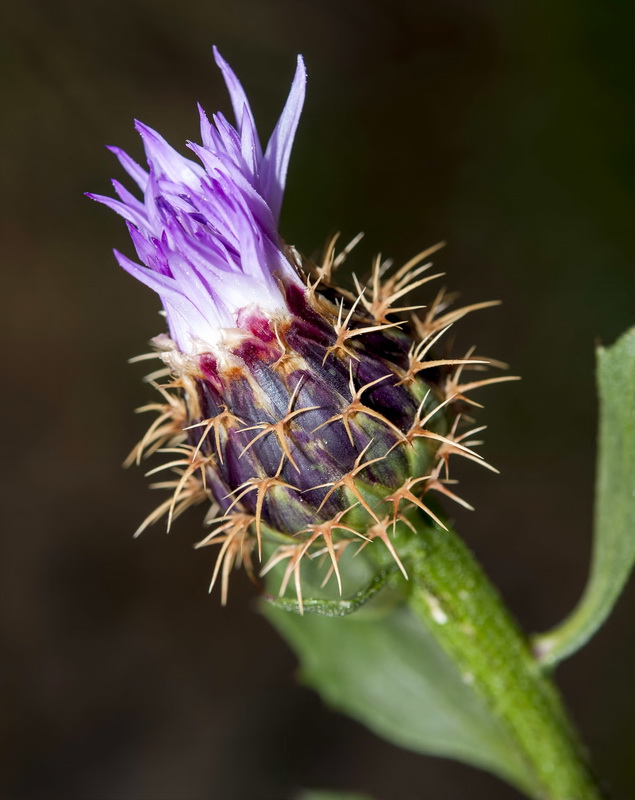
(310, 416)
(207, 233)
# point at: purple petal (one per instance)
(166, 159)
(162, 284)
(207, 234)
(276, 160)
(205, 125)
(229, 138)
(238, 97)
(149, 252)
(249, 145)
(127, 197)
(125, 211)
(216, 164)
(169, 289)
(137, 173)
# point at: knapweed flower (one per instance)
(310, 417)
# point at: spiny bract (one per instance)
(310, 417)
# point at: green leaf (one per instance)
(614, 537)
(393, 676)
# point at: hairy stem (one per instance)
(458, 604)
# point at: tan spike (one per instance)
(235, 548)
(343, 333)
(191, 493)
(418, 361)
(454, 388)
(191, 465)
(224, 418)
(418, 429)
(144, 357)
(348, 481)
(380, 531)
(385, 293)
(418, 352)
(180, 462)
(458, 313)
(280, 428)
(293, 552)
(330, 262)
(383, 303)
(459, 390)
(152, 377)
(159, 433)
(453, 446)
(341, 257)
(357, 407)
(166, 428)
(435, 319)
(339, 548)
(325, 271)
(404, 272)
(405, 493)
(441, 486)
(285, 354)
(324, 530)
(196, 465)
(261, 486)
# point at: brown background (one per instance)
(498, 126)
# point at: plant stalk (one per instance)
(455, 600)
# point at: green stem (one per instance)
(458, 604)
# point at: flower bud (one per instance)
(310, 417)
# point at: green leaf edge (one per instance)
(613, 553)
(490, 754)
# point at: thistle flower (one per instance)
(309, 416)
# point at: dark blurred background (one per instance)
(501, 127)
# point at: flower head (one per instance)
(311, 417)
(207, 232)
